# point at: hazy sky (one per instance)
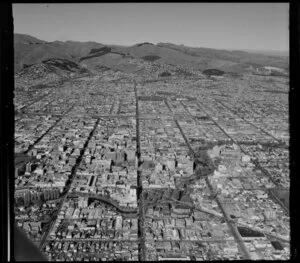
(257, 26)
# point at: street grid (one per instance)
(140, 212)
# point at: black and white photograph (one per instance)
(151, 131)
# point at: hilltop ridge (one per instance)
(30, 50)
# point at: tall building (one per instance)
(28, 167)
(82, 202)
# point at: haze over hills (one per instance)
(30, 50)
(269, 52)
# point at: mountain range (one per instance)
(91, 55)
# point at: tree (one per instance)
(213, 72)
(165, 74)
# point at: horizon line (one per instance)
(113, 44)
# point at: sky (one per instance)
(239, 26)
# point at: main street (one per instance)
(257, 164)
(47, 131)
(72, 176)
(232, 227)
(141, 229)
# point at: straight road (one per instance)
(258, 128)
(257, 164)
(232, 227)
(47, 131)
(73, 173)
(141, 229)
(35, 101)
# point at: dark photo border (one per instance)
(7, 129)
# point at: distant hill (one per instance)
(269, 52)
(48, 70)
(26, 39)
(27, 53)
(30, 50)
(224, 58)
